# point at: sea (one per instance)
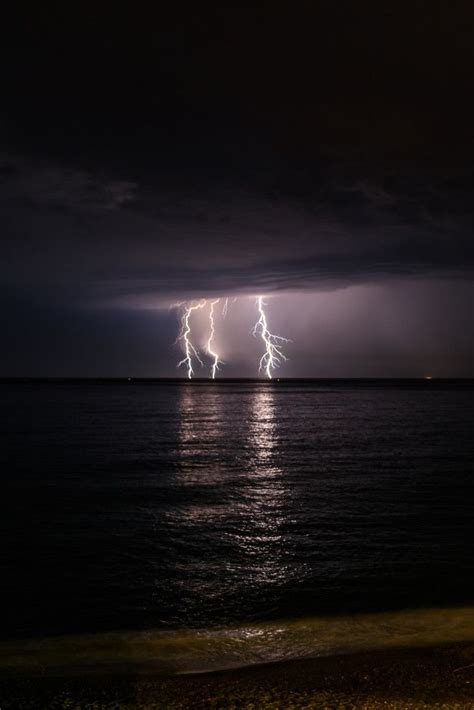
(196, 525)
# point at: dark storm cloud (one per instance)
(44, 185)
(161, 153)
(114, 237)
(235, 148)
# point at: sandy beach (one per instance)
(434, 677)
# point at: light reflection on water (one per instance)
(203, 505)
(201, 436)
(251, 521)
(262, 507)
(255, 516)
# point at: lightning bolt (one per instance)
(225, 307)
(212, 353)
(273, 354)
(189, 348)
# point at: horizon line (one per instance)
(129, 379)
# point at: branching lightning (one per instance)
(273, 354)
(225, 307)
(271, 358)
(184, 335)
(212, 353)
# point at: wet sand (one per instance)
(393, 678)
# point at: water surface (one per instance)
(181, 506)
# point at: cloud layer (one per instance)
(114, 240)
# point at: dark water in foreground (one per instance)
(179, 506)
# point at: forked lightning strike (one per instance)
(273, 354)
(189, 348)
(212, 353)
(271, 358)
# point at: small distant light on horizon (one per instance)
(428, 377)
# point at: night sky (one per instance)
(320, 153)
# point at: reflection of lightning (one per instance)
(189, 348)
(273, 354)
(212, 353)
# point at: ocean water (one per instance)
(182, 509)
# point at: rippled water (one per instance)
(201, 505)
